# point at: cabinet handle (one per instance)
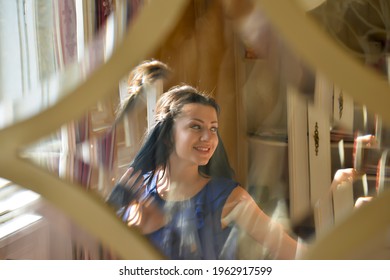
(341, 104)
(316, 137)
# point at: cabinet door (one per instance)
(299, 176)
(310, 160)
(319, 165)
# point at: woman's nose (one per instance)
(206, 135)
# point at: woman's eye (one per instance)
(195, 126)
(214, 129)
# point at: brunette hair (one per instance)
(145, 73)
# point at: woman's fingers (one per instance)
(125, 177)
(347, 174)
(130, 179)
(363, 201)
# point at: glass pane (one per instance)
(301, 146)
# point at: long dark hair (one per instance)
(147, 72)
(158, 144)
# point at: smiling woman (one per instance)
(180, 189)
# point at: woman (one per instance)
(180, 187)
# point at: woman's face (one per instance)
(195, 134)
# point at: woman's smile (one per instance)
(202, 149)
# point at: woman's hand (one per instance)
(346, 175)
(131, 181)
(363, 200)
(126, 190)
(141, 210)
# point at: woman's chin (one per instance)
(203, 162)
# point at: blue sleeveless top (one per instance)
(194, 228)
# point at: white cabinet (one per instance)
(294, 153)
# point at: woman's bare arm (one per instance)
(241, 209)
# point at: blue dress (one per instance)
(194, 228)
